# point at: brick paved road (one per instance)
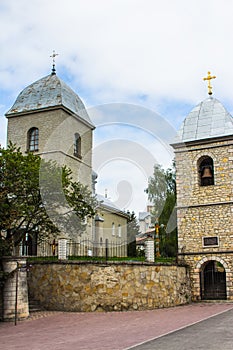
(101, 331)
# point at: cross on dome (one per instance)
(54, 54)
(209, 78)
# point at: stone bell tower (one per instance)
(204, 162)
(49, 119)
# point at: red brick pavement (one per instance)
(101, 331)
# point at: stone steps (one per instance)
(34, 306)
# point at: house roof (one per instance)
(107, 204)
(143, 215)
(140, 239)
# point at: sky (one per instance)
(138, 66)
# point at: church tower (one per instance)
(50, 119)
(204, 163)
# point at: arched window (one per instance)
(119, 230)
(33, 140)
(206, 171)
(77, 145)
(113, 229)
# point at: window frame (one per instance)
(33, 140)
(119, 230)
(77, 145)
(113, 229)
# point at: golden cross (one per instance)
(209, 78)
(54, 54)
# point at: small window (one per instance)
(206, 171)
(77, 145)
(119, 230)
(113, 229)
(33, 140)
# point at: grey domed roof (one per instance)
(46, 92)
(209, 119)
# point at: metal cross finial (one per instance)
(209, 78)
(54, 54)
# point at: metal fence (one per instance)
(82, 248)
(98, 249)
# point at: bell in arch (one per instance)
(207, 173)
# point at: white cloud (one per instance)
(125, 183)
(149, 52)
(158, 48)
(129, 140)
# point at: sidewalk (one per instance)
(102, 331)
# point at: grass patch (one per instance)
(85, 258)
(42, 258)
(99, 258)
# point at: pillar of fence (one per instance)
(150, 250)
(62, 249)
(106, 249)
(15, 290)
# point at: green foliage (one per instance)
(87, 259)
(162, 192)
(38, 198)
(132, 231)
(157, 189)
(164, 260)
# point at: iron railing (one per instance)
(81, 248)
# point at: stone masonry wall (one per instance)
(56, 137)
(205, 211)
(197, 223)
(189, 192)
(76, 286)
(15, 289)
(196, 262)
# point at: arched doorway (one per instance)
(213, 281)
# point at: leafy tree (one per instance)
(162, 192)
(132, 231)
(157, 189)
(38, 198)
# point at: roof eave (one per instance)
(113, 210)
(183, 144)
(16, 113)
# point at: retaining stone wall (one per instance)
(79, 286)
